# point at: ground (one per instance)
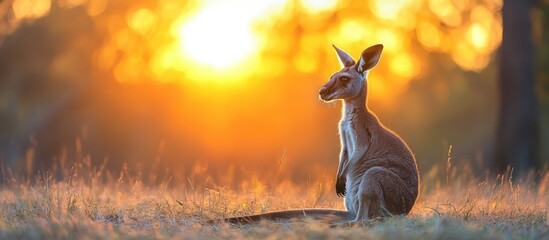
(89, 205)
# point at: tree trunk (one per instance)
(517, 140)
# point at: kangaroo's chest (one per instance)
(349, 137)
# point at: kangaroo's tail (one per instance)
(331, 215)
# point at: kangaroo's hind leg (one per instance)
(369, 194)
(363, 208)
(379, 190)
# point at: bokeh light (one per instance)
(30, 8)
(316, 6)
(217, 38)
(225, 41)
(142, 20)
(247, 72)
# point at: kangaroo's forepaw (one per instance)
(340, 188)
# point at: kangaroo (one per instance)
(377, 173)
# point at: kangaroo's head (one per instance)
(351, 80)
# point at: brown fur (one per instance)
(377, 172)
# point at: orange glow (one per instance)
(465, 56)
(71, 3)
(403, 65)
(129, 69)
(96, 7)
(31, 8)
(478, 36)
(389, 9)
(353, 30)
(142, 20)
(446, 11)
(428, 35)
(123, 39)
(390, 40)
(105, 57)
(315, 6)
(305, 62)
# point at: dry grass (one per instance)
(85, 205)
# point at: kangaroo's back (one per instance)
(390, 151)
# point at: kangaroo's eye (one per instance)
(344, 79)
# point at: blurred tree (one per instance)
(540, 21)
(517, 142)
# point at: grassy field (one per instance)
(80, 203)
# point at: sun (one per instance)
(216, 37)
(219, 40)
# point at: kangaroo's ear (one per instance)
(344, 59)
(369, 58)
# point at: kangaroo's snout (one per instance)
(324, 93)
(323, 90)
